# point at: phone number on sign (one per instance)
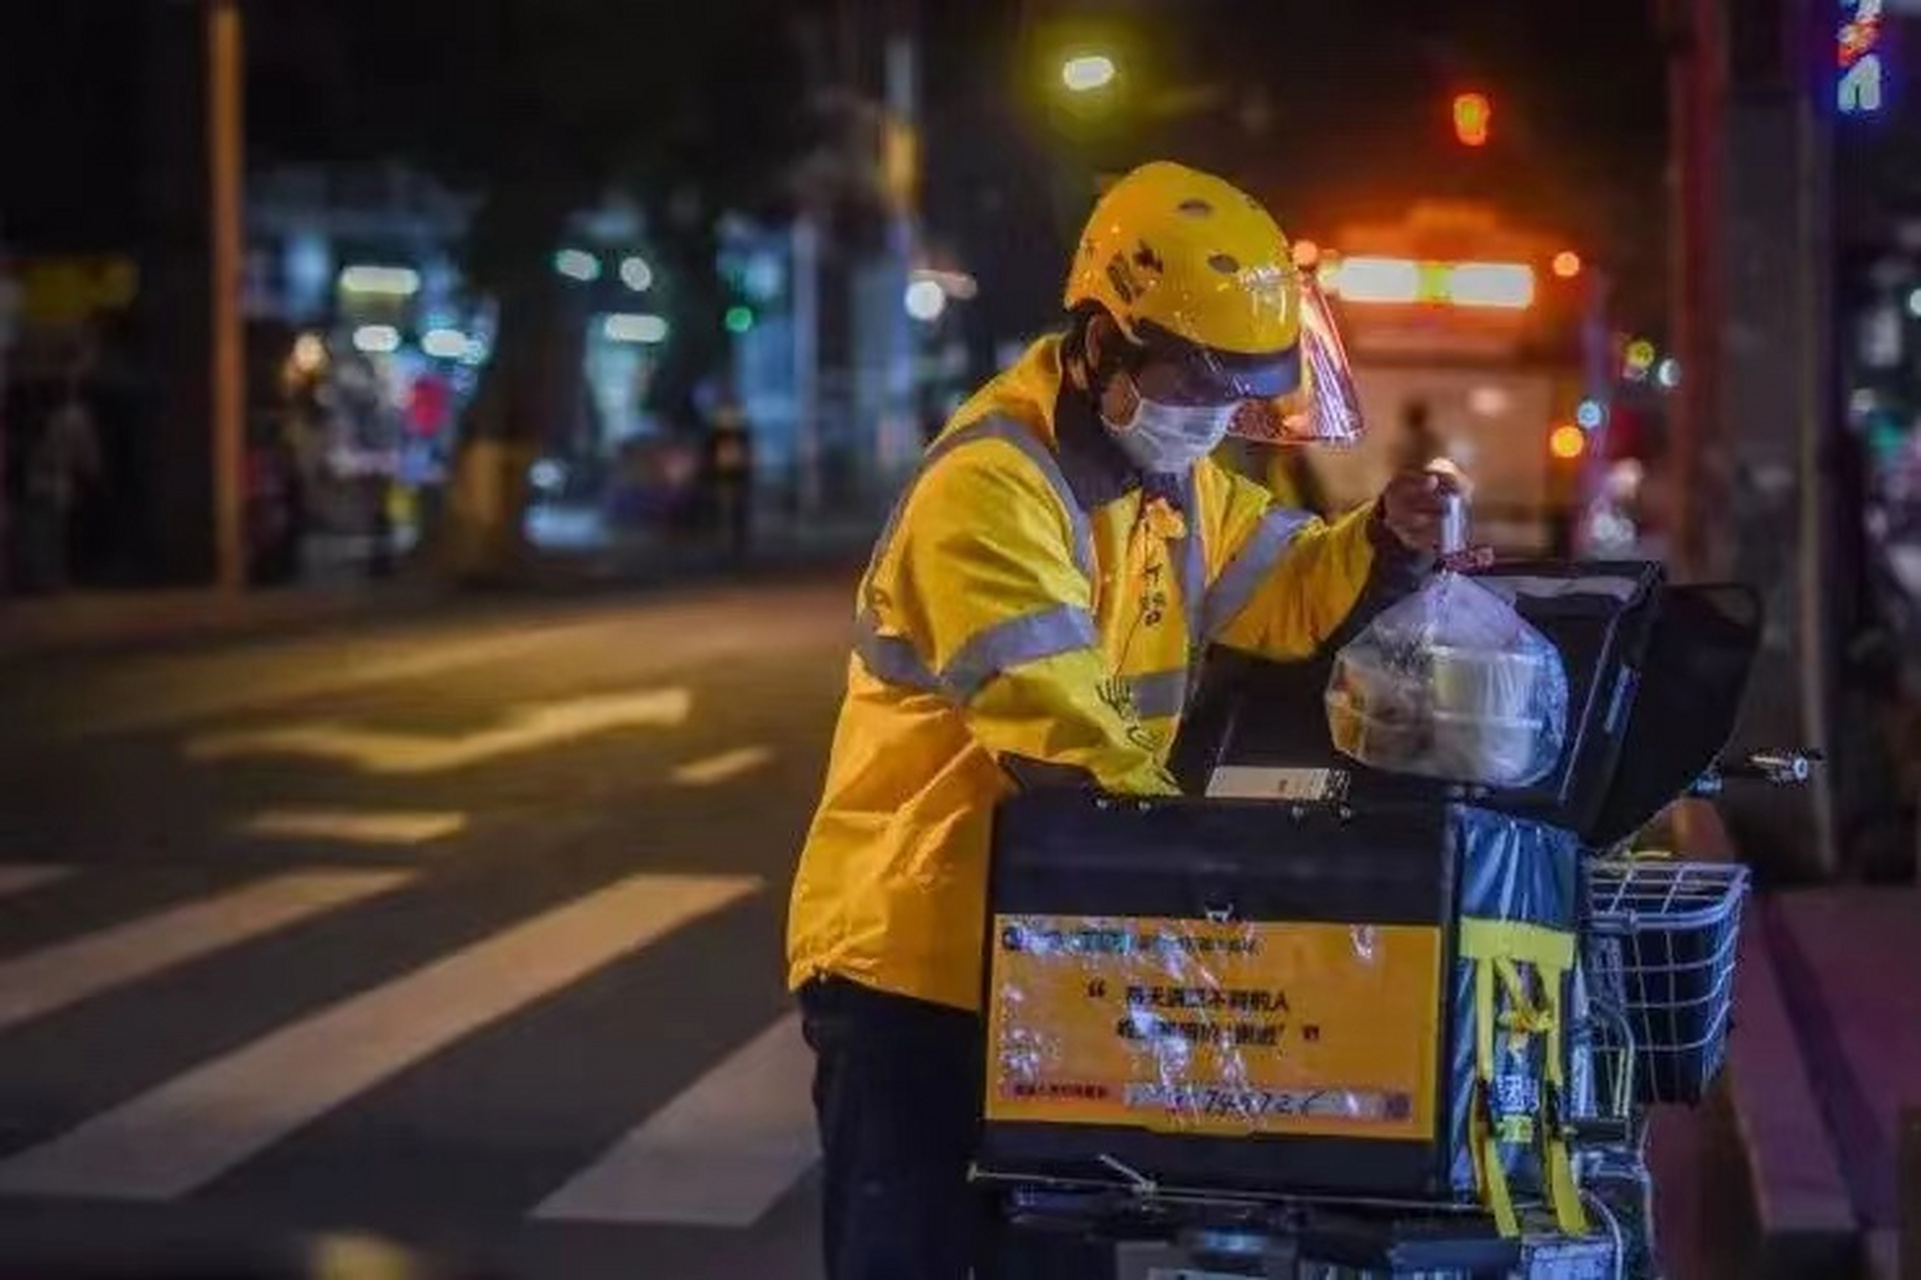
(1215, 1100)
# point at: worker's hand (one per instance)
(1415, 502)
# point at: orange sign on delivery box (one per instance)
(1303, 1029)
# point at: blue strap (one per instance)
(1258, 557)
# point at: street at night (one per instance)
(463, 931)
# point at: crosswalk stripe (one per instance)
(186, 1132)
(525, 729)
(712, 770)
(19, 878)
(354, 827)
(42, 981)
(719, 1155)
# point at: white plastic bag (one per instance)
(1451, 683)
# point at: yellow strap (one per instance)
(1498, 941)
(1485, 1149)
(1500, 1201)
(1569, 1214)
(1524, 1018)
(1483, 1070)
(1516, 940)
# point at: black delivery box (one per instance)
(1220, 995)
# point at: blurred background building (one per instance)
(510, 271)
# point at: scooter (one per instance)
(1471, 1000)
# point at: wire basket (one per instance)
(1662, 940)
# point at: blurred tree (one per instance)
(542, 108)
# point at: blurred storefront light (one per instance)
(577, 264)
(1509, 285)
(1858, 48)
(637, 327)
(1589, 415)
(957, 285)
(309, 354)
(1088, 72)
(1502, 285)
(636, 274)
(1488, 401)
(1668, 373)
(445, 344)
(394, 282)
(1567, 442)
(926, 300)
(377, 339)
(1365, 279)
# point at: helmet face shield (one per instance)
(1324, 408)
(1183, 371)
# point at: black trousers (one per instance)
(894, 1091)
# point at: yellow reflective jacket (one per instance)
(1030, 599)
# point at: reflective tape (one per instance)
(1008, 644)
(895, 660)
(1250, 567)
(1029, 638)
(891, 659)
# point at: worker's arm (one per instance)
(981, 580)
(1287, 582)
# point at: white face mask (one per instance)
(1171, 438)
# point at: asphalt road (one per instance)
(464, 932)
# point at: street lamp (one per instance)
(1088, 72)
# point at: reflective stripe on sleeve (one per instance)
(1028, 638)
(895, 660)
(1244, 574)
(892, 659)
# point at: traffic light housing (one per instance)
(1472, 113)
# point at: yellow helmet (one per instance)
(1194, 269)
(1192, 256)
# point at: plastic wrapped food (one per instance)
(1451, 683)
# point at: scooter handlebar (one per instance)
(1776, 768)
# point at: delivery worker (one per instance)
(1031, 613)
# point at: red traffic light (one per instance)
(1472, 112)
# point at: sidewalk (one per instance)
(1824, 1058)
(105, 619)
